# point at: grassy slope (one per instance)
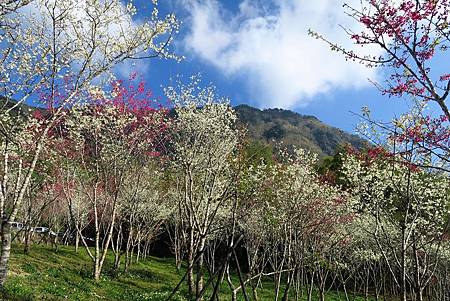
(65, 275)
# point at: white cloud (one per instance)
(269, 43)
(128, 67)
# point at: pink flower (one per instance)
(416, 16)
(445, 77)
(366, 20)
(357, 38)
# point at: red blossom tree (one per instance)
(410, 34)
(102, 144)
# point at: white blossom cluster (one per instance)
(48, 44)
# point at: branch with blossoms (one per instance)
(414, 137)
(9, 6)
(410, 34)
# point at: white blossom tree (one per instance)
(204, 142)
(409, 208)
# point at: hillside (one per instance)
(277, 126)
(21, 108)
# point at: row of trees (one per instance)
(121, 171)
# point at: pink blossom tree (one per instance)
(414, 37)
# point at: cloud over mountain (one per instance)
(268, 42)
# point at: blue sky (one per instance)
(258, 52)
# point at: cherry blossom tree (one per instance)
(105, 143)
(142, 212)
(413, 37)
(204, 141)
(409, 210)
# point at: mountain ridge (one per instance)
(285, 128)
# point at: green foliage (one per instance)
(257, 152)
(275, 132)
(330, 168)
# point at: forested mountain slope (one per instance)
(287, 128)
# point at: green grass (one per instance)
(65, 275)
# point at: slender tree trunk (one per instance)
(418, 288)
(403, 267)
(288, 285)
(322, 277)
(138, 251)
(97, 256)
(117, 258)
(255, 293)
(178, 259)
(77, 242)
(145, 250)
(55, 242)
(366, 283)
(200, 261)
(118, 251)
(5, 252)
(190, 272)
(322, 292)
(230, 283)
(240, 275)
(26, 246)
(128, 249)
(97, 270)
(176, 245)
(311, 286)
(107, 242)
(133, 247)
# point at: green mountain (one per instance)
(284, 128)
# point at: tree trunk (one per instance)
(403, 265)
(97, 256)
(176, 247)
(5, 252)
(26, 246)
(54, 242)
(366, 283)
(97, 269)
(138, 251)
(418, 288)
(285, 296)
(77, 242)
(230, 283)
(128, 249)
(322, 292)
(117, 257)
(255, 293)
(118, 251)
(311, 286)
(190, 272)
(201, 259)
